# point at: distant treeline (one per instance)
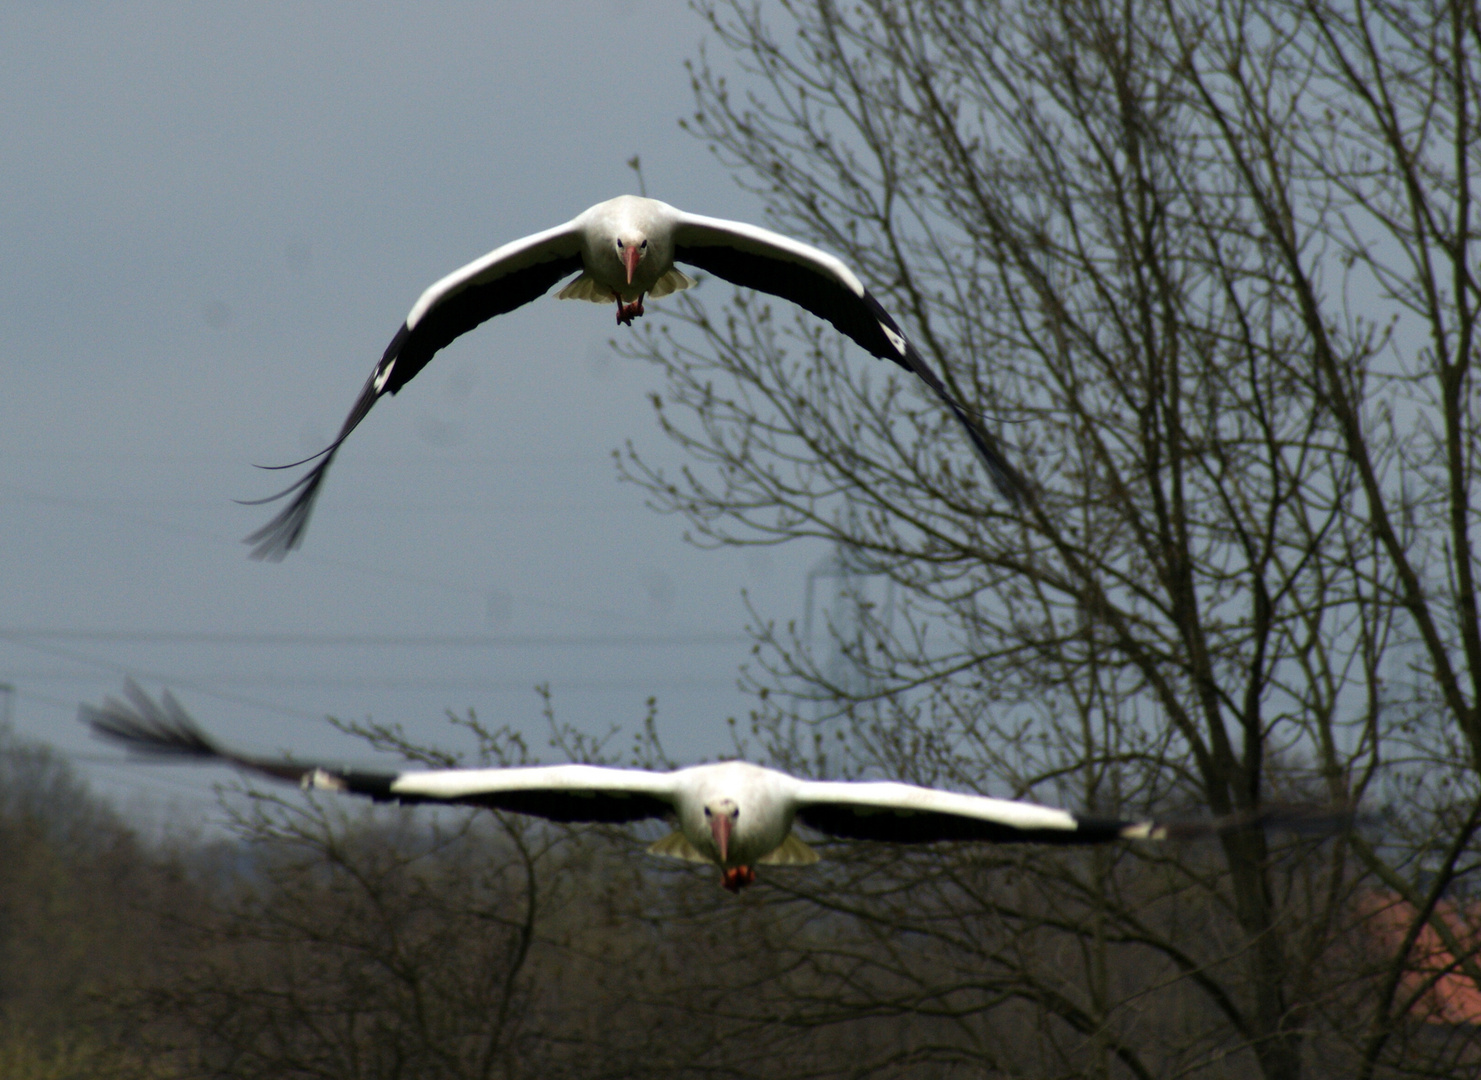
(329, 939)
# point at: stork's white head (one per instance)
(734, 814)
(721, 816)
(632, 249)
(629, 248)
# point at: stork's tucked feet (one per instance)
(737, 878)
(626, 313)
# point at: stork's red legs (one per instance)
(737, 878)
(626, 313)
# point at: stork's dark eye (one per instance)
(619, 245)
(707, 811)
(644, 245)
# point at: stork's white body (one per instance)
(634, 221)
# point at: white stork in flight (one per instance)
(622, 250)
(733, 814)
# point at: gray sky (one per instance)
(212, 219)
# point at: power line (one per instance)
(109, 509)
(412, 682)
(129, 670)
(334, 640)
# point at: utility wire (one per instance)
(107, 510)
(161, 677)
(324, 640)
(413, 682)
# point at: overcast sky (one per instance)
(214, 218)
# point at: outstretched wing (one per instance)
(904, 813)
(501, 281)
(165, 730)
(556, 792)
(760, 259)
(907, 814)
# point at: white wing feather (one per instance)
(468, 783)
(696, 229)
(507, 259)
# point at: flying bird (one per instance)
(733, 814)
(623, 250)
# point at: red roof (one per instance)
(1442, 993)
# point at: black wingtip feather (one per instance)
(1297, 820)
(291, 465)
(285, 532)
(164, 730)
(300, 482)
(154, 729)
(1008, 480)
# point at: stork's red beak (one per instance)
(630, 256)
(720, 827)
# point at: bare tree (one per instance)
(456, 944)
(1209, 268)
(355, 944)
(83, 908)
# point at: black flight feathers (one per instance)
(285, 531)
(864, 320)
(454, 314)
(164, 730)
(144, 727)
(927, 827)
